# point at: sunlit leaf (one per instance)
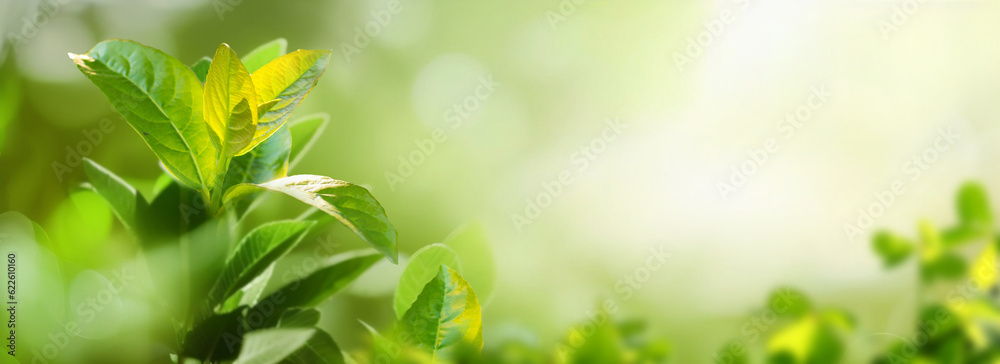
(350, 204)
(289, 78)
(230, 103)
(424, 266)
(447, 313)
(168, 115)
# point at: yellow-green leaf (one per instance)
(445, 315)
(423, 266)
(230, 103)
(350, 204)
(289, 78)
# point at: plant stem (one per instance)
(222, 167)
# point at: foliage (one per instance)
(794, 331)
(959, 318)
(220, 130)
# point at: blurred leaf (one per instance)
(79, 226)
(305, 132)
(299, 317)
(931, 245)
(423, 267)
(984, 269)
(200, 68)
(272, 346)
(789, 302)
(230, 103)
(838, 319)
(892, 248)
(10, 103)
(289, 78)
(473, 247)
(973, 205)
(809, 340)
(947, 266)
(167, 113)
(124, 200)
(350, 204)
(321, 284)
(255, 253)
(265, 53)
(447, 313)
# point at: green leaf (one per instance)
(320, 349)
(305, 132)
(265, 53)
(200, 68)
(350, 204)
(267, 162)
(973, 205)
(946, 265)
(124, 200)
(289, 78)
(319, 285)
(423, 267)
(789, 302)
(273, 345)
(161, 98)
(893, 249)
(215, 338)
(255, 253)
(230, 103)
(264, 107)
(446, 314)
(299, 317)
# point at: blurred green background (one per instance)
(693, 84)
